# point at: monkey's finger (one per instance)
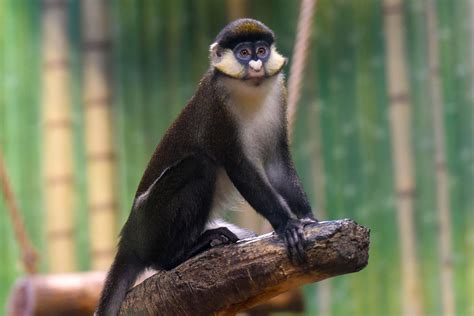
(299, 252)
(290, 246)
(302, 253)
(299, 246)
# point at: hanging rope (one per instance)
(28, 253)
(300, 53)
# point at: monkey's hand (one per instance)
(293, 236)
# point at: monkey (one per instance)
(229, 141)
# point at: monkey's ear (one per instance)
(214, 50)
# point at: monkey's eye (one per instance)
(262, 52)
(244, 53)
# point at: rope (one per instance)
(300, 53)
(28, 253)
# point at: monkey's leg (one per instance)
(168, 218)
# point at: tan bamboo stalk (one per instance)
(319, 191)
(400, 131)
(101, 157)
(57, 132)
(443, 198)
(470, 232)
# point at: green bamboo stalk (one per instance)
(470, 231)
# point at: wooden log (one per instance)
(221, 281)
(233, 278)
(58, 294)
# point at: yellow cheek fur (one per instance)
(275, 63)
(229, 65)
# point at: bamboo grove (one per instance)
(357, 108)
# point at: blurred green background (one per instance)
(160, 51)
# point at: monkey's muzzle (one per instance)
(255, 69)
(255, 72)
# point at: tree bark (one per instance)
(232, 278)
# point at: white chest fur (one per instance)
(226, 197)
(258, 113)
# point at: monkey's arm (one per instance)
(284, 178)
(256, 189)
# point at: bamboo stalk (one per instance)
(101, 157)
(57, 133)
(443, 197)
(319, 191)
(400, 129)
(470, 232)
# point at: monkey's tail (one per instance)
(122, 274)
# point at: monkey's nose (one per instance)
(256, 65)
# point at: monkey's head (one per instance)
(245, 50)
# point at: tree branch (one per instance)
(232, 278)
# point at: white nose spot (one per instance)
(256, 64)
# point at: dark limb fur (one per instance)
(262, 196)
(284, 178)
(178, 201)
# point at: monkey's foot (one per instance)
(308, 220)
(212, 238)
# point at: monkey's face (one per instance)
(244, 50)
